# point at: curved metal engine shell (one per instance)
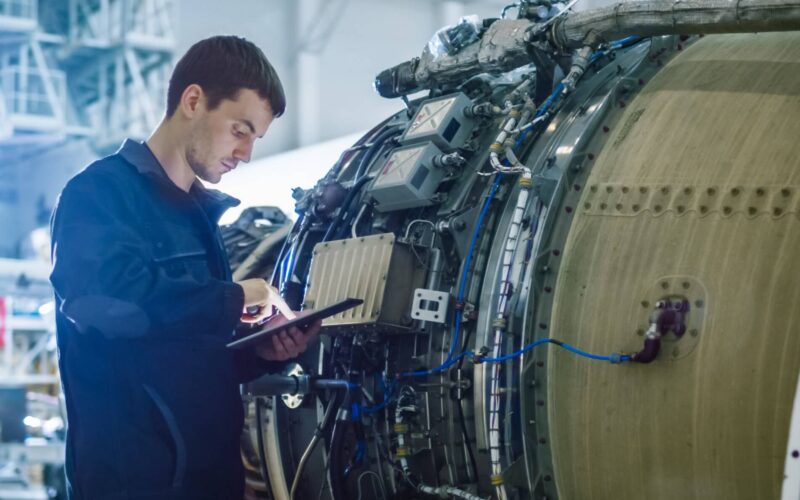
(695, 194)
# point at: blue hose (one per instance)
(462, 286)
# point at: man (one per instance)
(145, 302)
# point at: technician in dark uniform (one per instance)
(145, 301)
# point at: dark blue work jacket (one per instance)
(145, 305)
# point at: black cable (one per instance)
(334, 226)
(338, 487)
(462, 420)
(377, 145)
(260, 439)
(345, 216)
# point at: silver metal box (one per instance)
(377, 269)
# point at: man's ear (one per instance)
(192, 99)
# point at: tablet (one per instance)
(301, 322)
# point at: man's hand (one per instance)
(261, 297)
(289, 343)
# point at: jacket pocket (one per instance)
(189, 262)
(174, 431)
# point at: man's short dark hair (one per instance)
(222, 66)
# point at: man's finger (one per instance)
(274, 298)
(299, 338)
(278, 349)
(289, 343)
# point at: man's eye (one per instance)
(238, 133)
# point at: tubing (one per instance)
(673, 17)
(310, 448)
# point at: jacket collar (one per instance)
(214, 202)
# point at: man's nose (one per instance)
(243, 151)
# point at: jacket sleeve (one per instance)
(105, 278)
(249, 366)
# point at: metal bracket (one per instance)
(430, 305)
(296, 399)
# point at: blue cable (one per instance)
(388, 396)
(613, 358)
(625, 42)
(450, 360)
(463, 285)
(549, 101)
(540, 112)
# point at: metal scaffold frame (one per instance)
(85, 68)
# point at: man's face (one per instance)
(224, 136)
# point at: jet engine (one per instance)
(577, 253)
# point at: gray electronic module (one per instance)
(408, 178)
(441, 121)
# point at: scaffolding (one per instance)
(85, 68)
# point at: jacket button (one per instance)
(159, 244)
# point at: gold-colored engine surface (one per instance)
(709, 156)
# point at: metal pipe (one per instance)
(310, 448)
(674, 17)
